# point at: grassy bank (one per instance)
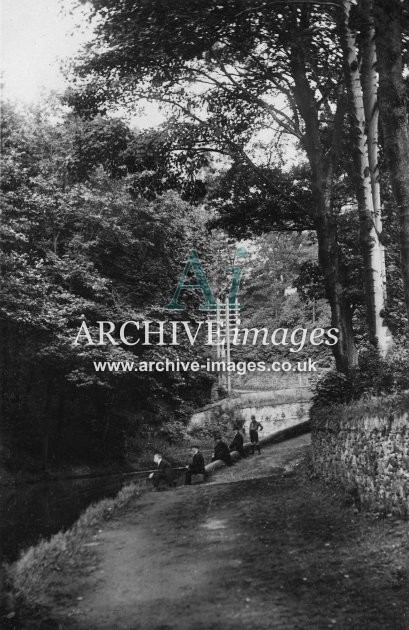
(41, 567)
(29, 579)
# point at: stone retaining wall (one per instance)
(278, 436)
(271, 408)
(365, 446)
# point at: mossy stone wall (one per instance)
(365, 446)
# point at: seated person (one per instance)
(221, 451)
(165, 476)
(238, 443)
(197, 467)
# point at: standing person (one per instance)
(197, 467)
(238, 443)
(254, 428)
(221, 451)
(165, 475)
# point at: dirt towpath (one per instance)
(260, 547)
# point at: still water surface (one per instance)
(33, 511)
(30, 512)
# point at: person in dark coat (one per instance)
(221, 451)
(237, 443)
(254, 428)
(165, 475)
(197, 467)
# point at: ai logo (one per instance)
(193, 263)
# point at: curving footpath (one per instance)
(262, 546)
(272, 438)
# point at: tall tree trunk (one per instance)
(46, 422)
(323, 173)
(370, 86)
(60, 419)
(393, 109)
(341, 314)
(369, 237)
(5, 367)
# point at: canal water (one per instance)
(30, 512)
(38, 510)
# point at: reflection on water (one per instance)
(33, 511)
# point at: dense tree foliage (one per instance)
(272, 139)
(79, 245)
(231, 69)
(275, 268)
(242, 58)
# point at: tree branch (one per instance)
(252, 98)
(236, 150)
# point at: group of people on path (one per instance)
(166, 475)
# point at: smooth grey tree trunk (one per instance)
(372, 252)
(393, 109)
